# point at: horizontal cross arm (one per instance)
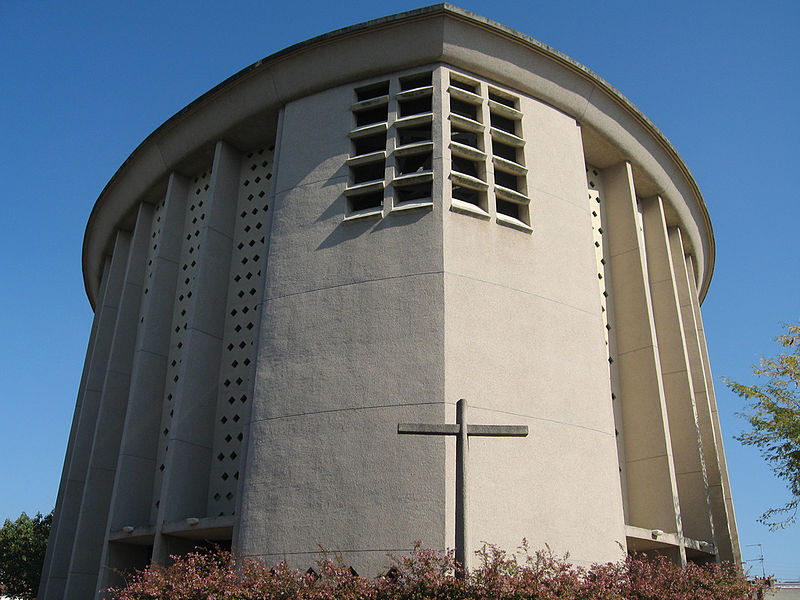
(498, 430)
(429, 428)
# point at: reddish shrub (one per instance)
(431, 575)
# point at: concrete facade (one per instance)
(294, 264)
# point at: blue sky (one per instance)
(84, 83)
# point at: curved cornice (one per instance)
(438, 33)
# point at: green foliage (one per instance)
(431, 575)
(774, 417)
(22, 546)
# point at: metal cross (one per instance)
(462, 431)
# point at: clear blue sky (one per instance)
(85, 82)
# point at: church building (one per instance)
(333, 247)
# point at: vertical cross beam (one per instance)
(462, 430)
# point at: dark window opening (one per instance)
(368, 172)
(507, 180)
(416, 163)
(415, 81)
(413, 135)
(462, 136)
(376, 90)
(417, 191)
(504, 151)
(366, 201)
(502, 100)
(469, 87)
(465, 109)
(372, 143)
(504, 124)
(372, 115)
(510, 209)
(415, 106)
(466, 194)
(463, 165)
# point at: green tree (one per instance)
(773, 411)
(22, 546)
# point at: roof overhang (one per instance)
(613, 128)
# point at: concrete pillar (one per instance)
(184, 486)
(700, 386)
(240, 487)
(652, 489)
(727, 552)
(133, 486)
(597, 209)
(48, 558)
(676, 375)
(92, 522)
(74, 475)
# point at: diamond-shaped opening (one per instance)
(224, 476)
(220, 456)
(228, 438)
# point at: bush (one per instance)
(22, 546)
(431, 575)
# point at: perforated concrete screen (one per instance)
(190, 251)
(329, 248)
(241, 321)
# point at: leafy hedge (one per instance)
(431, 575)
